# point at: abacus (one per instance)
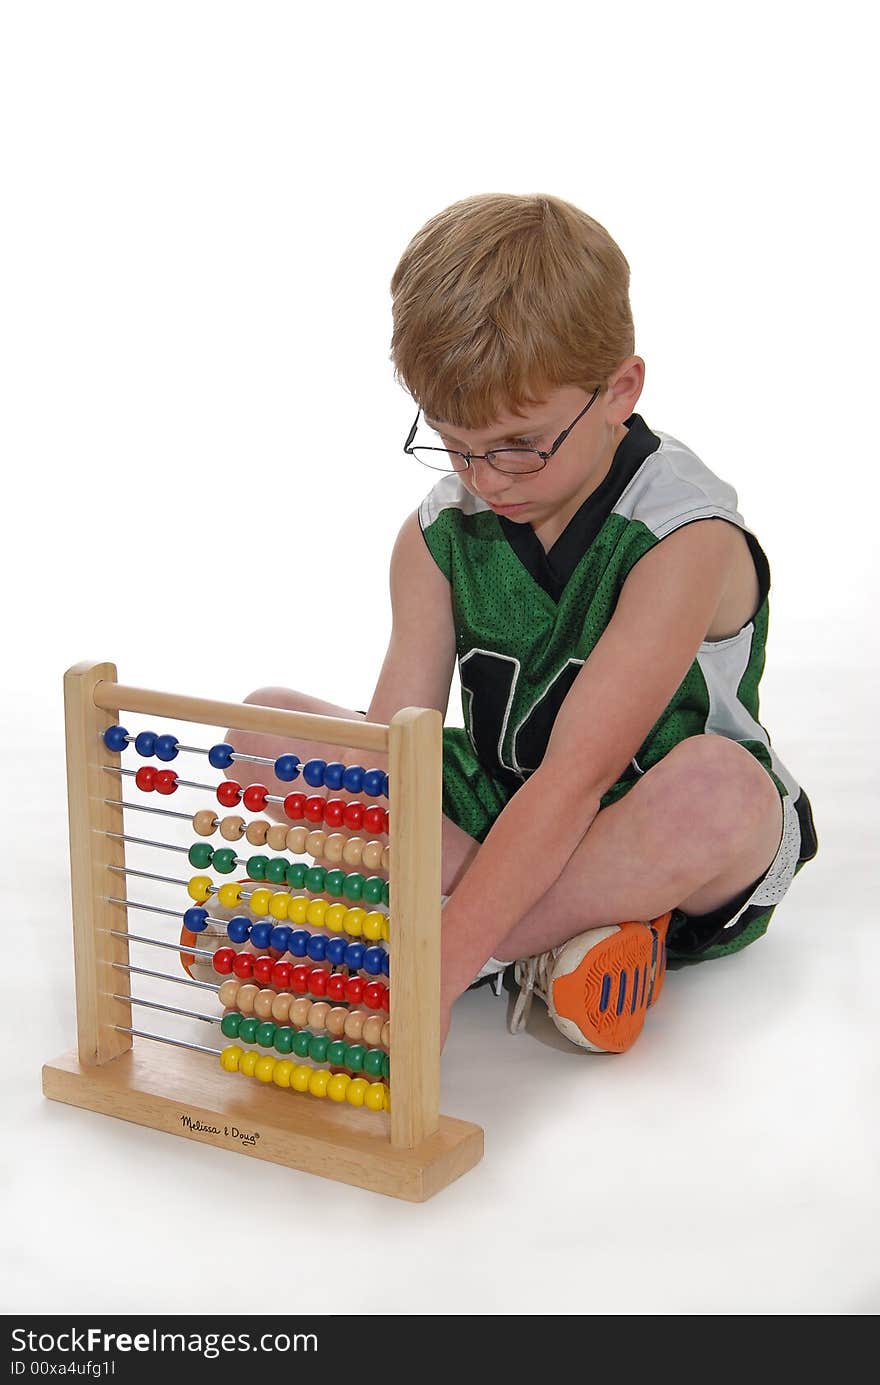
(311, 957)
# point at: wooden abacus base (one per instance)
(156, 1086)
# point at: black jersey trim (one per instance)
(552, 570)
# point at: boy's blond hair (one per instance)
(499, 299)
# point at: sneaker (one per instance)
(597, 986)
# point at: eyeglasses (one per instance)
(515, 461)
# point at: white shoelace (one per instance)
(532, 974)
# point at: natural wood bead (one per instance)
(281, 1007)
(353, 851)
(318, 1014)
(336, 1021)
(247, 994)
(228, 992)
(315, 842)
(354, 1025)
(386, 1036)
(257, 831)
(372, 1031)
(276, 837)
(386, 858)
(299, 1011)
(372, 855)
(232, 828)
(205, 822)
(296, 840)
(334, 845)
(263, 1004)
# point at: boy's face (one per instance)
(547, 499)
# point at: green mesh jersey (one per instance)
(527, 620)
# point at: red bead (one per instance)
(255, 796)
(281, 975)
(318, 981)
(294, 806)
(263, 970)
(299, 979)
(375, 819)
(336, 986)
(334, 809)
(354, 989)
(315, 808)
(244, 964)
(223, 960)
(166, 781)
(146, 778)
(353, 815)
(229, 793)
(374, 995)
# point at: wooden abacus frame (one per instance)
(411, 1152)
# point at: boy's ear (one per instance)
(624, 388)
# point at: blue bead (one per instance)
(333, 773)
(195, 920)
(145, 743)
(386, 962)
(374, 782)
(299, 942)
(385, 787)
(220, 756)
(373, 960)
(313, 772)
(260, 934)
(353, 778)
(317, 947)
(238, 929)
(287, 767)
(116, 738)
(336, 949)
(354, 956)
(166, 747)
(280, 938)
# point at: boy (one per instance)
(613, 794)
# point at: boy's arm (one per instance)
(665, 608)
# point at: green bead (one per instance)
(256, 867)
(296, 874)
(248, 1029)
(336, 1051)
(334, 882)
(386, 894)
(374, 887)
(354, 1057)
(318, 1045)
(354, 885)
(301, 1040)
(201, 854)
(373, 1062)
(284, 1038)
(224, 860)
(231, 1024)
(315, 878)
(266, 1034)
(386, 1066)
(276, 870)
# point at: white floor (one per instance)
(727, 1164)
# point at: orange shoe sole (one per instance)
(607, 993)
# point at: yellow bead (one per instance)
(374, 1096)
(299, 1078)
(315, 912)
(259, 901)
(355, 1090)
(386, 929)
(247, 1062)
(386, 1100)
(334, 919)
(264, 1069)
(283, 1072)
(297, 908)
(231, 1057)
(354, 921)
(337, 1085)
(229, 894)
(279, 904)
(199, 888)
(319, 1080)
(373, 925)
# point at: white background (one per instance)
(203, 477)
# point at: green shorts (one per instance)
(473, 799)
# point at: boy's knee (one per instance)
(724, 783)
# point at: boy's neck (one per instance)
(551, 528)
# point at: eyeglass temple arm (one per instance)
(412, 433)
